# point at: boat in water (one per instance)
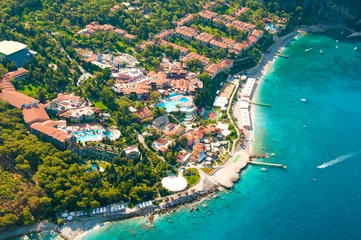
(303, 99)
(273, 154)
(308, 49)
(263, 169)
(320, 51)
(355, 48)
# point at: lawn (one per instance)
(99, 104)
(29, 90)
(192, 176)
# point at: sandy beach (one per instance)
(262, 69)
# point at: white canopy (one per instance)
(64, 215)
(69, 218)
(174, 184)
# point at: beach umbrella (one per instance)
(64, 215)
(72, 214)
(69, 218)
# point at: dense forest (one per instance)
(37, 180)
(345, 12)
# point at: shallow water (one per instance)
(288, 204)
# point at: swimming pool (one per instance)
(170, 105)
(92, 135)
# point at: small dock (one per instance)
(268, 164)
(281, 55)
(261, 104)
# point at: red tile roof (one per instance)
(48, 129)
(35, 114)
(16, 99)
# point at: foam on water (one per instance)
(339, 159)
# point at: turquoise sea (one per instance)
(288, 204)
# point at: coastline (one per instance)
(226, 176)
(265, 66)
(230, 173)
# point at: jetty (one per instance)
(281, 55)
(261, 104)
(268, 164)
(258, 156)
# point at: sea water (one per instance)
(303, 201)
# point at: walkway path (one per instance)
(21, 231)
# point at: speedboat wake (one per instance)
(339, 159)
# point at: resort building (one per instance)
(16, 75)
(132, 152)
(172, 129)
(204, 38)
(119, 32)
(239, 48)
(255, 37)
(91, 28)
(176, 70)
(144, 114)
(140, 90)
(219, 22)
(129, 37)
(207, 16)
(186, 33)
(35, 117)
(161, 122)
(115, 8)
(184, 157)
(184, 51)
(48, 131)
(245, 117)
(224, 65)
(15, 52)
(81, 114)
(166, 34)
(242, 11)
(71, 107)
(191, 56)
(188, 19)
(223, 43)
(34, 112)
(100, 151)
(128, 75)
(248, 88)
(242, 26)
(158, 80)
(161, 144)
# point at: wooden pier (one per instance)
(261, 104)
(268, 164)
(281, 55)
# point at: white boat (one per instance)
(342, 32)
(336, 46)
(263, 169)
(336, 40)
(273, 154)
(320, 51)
(303, 99)
(308, 49)
(355, 48)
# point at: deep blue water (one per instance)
(288, 204)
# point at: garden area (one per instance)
(192, 176)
